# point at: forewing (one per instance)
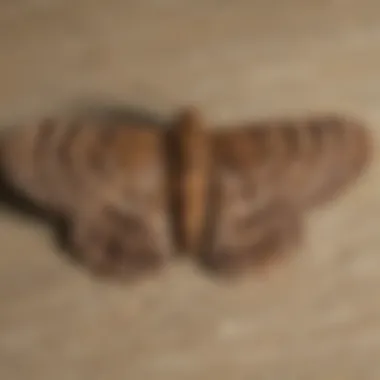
(310, 160)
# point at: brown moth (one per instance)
(232, 197)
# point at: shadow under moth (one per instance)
(232, 198)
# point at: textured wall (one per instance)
(317, 316)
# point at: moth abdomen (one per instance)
(193, 176)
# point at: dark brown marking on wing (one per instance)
(67, 141)
(253, 241)
(42, 145)
(289, 135)
(253, 219)
(98, 156)
(124, 220)
(316, 137)
(71, 152)
(172, 162)
(116, 245)
(259, 145)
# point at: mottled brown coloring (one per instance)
(231, 198)
(269, 174)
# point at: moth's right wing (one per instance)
(108, 181)
(267, 174)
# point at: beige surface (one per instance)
(318, 317)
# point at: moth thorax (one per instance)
(194, 184)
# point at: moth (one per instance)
(230, 198)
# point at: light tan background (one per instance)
(318, 317)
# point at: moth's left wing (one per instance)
(108, 181)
